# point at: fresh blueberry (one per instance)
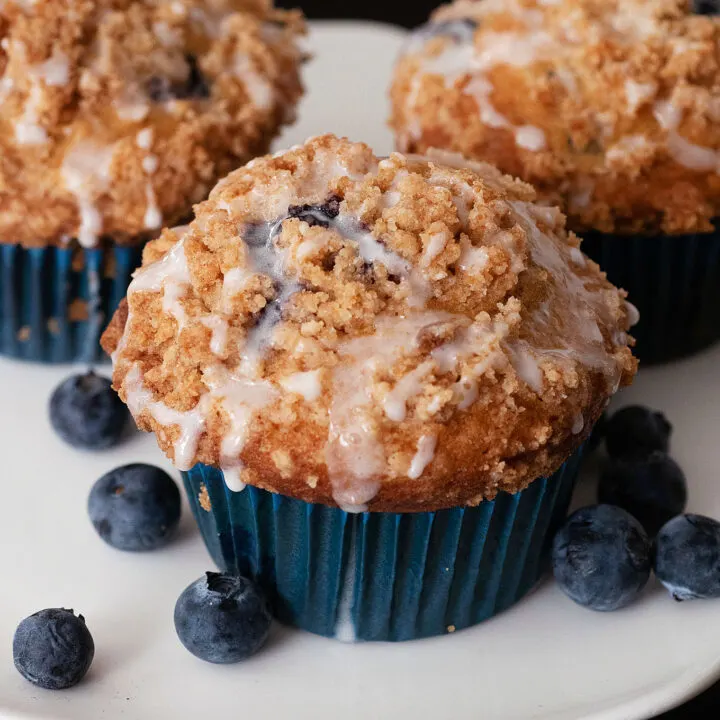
(317, 214)
(706, 7)
(194, 87)
(651, 489)
(87, 413)
(53, 648)
(687, 557)
(222, 618)
(636, 431)
(460, 31)
(601, 557)
(135, 507)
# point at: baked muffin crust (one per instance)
(118, 115)
(610, 108)
(396, 334)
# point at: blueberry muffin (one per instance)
(116, 116)
(370, 344)
(612, 111)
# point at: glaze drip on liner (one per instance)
(462, 348)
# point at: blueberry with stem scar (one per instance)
(53, 648)
(222, 618)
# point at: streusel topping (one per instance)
(610, 108)
(398, 333)
(117, 115)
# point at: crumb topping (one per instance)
(118, 115)
(610, 108)
(399, 333)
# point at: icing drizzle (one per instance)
(364, 394)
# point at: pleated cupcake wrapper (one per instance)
(382, 576)
(38, 289)
(674, 281)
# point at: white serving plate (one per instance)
(544, 659)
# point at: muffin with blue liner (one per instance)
(612, 111)
(375, 375)
(116, 116)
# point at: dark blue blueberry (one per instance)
(636, 432)
(194, 87)
(651, 489)
(317, 214)
(601, 557)
(135, 507)
(53, 649)
(687, 557)
(706, 7)
(87, 413)
(222, 618)
(461, 30)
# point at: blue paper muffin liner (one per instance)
(38, 287)
(382, 576)
(673, 280)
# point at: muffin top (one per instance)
(117, 115)
(611, 108)
(395, 334)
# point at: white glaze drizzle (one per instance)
(28, 130)
(86, 174)
(461, 57)
(423, 456)
(580, 323)
(170, 275)
(638, 94)
(259, 89)
(190, 424)
(240, 397)
(437, 242)
(526, 365)
(683, 151)
(306, 384)
(626, 147)
(218, 327)
(153, 217)
(472, 259)
(53, 72)
(344, 624)
(411, 384)
(371, 250)
(232, 474)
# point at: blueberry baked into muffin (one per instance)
(612, 111)
(397, 357)
(116, 117)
